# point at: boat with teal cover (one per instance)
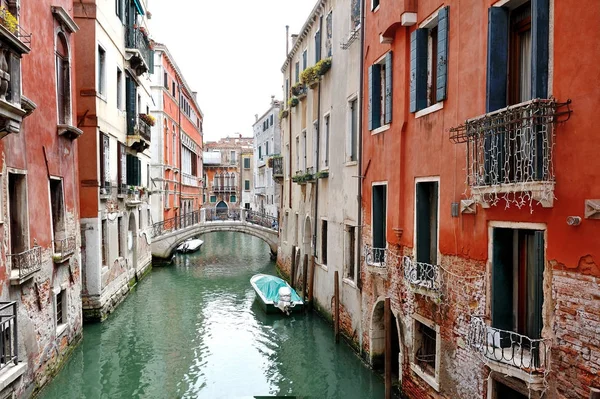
(274, 294)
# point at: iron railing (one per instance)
(421, 275)
(176, 223)
(261, 219)
(512, 145)
(64, 248)
(9, 347)
(27, 262)
(376, 257)
(16, 29)
(135, 39)
(222, 214)
(106, 189)
(277, 166)
(510, 348)
(144, 129)
(224, 189)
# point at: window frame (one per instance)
(61, 294)
(419, 180)
(67, 78)
(101, 63)
(432, 380)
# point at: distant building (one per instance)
(224, 172)
(176, 169)
(113, 60)
(267, 144)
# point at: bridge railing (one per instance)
(216, 214)
(261, 219)
(176, 223)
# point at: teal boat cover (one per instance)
(269, 286)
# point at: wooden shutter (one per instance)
(418, 70)
(130, 170)
(318, 46)
(388, 87)
(442, 54)
(379, 216)
(423, 234)
(502, 279)
(374, 96)
(497, 59)
(131, 104)
(535, 287)
(540, 25)
(139, 171)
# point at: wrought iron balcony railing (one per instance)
(224, 189)
(144, 129)
(14, 28)
(64, 248)
(509, 348)
(421, 275)
(277, 167)
(27, 262)
(9, 347)
(376, 257)
(136, 40)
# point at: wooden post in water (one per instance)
(293, 271)
(336, 293)
(595, 393)
(304, 276)
(312, 282)
(387, 314)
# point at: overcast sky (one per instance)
(230, 52)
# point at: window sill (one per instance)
(380, 129)
(351, 163)
(60, 329)
(374, 10)
(349, 282)
(432, 381)
(431, 109)
(324, 267)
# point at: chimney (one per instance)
(294, 38)
(272, 99)
(287, 40)
(195, 94)
(256, 117)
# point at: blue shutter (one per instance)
(374, 96)
(318, 47)
(130, 171)
(442, 55)
(388, 87)
(497, 59)
(540, 25)
(418, 70)
(131, 104)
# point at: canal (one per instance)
(193, 330)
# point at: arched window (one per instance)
(226, 179)
(232, 179)
(63, 80)
(216, 181)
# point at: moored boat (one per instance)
(274, 294)
(190, 245)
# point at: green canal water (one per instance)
(193, 330)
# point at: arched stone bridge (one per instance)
(167, 235)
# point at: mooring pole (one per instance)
(312, 282)
(336, 293)
(387, 314)
(304, 276)
(595, 393)
(293, 271)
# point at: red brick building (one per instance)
(177, 141)
(40, 261)
(480, 196)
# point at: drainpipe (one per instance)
(291, 143)
(318, 132)
(360, 149)
(180, 168)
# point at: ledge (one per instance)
(429, 110)
(380, 129)
(10, 373)
(542, 192)
(65, 19)
(68, 131)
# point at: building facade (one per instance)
(114, 60)
(267, 145)
(40, 264)
(176, 169)
(224, 172)
(248, 178)
(473, 186)
(319, 132)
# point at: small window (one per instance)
(304, 59)
(104, 233)
(60, 308)
(374, 4)
(355, 15)
(119, 89)
(232, 198)
(353, 130)
(63, 79)
(101, 71)
(271, 119)
(350, 252)
(427, 222)
(317, 46)
(324, 242)
(120, 236)
(380, 92)
(329, 39)
(379, 217)
(297, 71)
(246, 163)
(173, 88)
(166, 80)
(426, 356)
(58, 212)
(213, 198)
(327, 120)
(247, 185)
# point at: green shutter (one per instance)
(535, 286)
(423, 233)
(497, 59)
(540, 26)
(388, 87)
(442, 55)
(131, 104)
(318, 46)
(374, 96)
(130, 179)
(418, 70)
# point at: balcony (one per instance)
(376, 258)
(510, 152)
(139, 135)
(189, 180)
(106, 190)
(224, 189)
(24, 265)
(64, 249)
(9, 353)
(260, 190)
(277, 162)
(422, 277)
(137, 46)
(510, 353)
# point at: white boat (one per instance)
(276, 294)
(190, 245)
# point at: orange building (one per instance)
(480, 196)
(176, 169)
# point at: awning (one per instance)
(139, 7)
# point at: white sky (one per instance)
(230, 52)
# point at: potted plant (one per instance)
(149, 119)
(322, 174)
(310, 76)
(323, 66)
(283, 114)
(298, 89)
(292, 102)
(8, 20)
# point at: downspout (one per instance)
(290, 138)
(360, 149)
(179, 160)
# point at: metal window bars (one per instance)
(375, 257)
(9, 347)
(64, 248)
(421, 275)
(510, 348)
(27, 262)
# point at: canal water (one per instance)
(193, 330)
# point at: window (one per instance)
(60, 309)
(317, 46)
(122, 166)
(297, 153)
(429, 62)
(247, 185)
(296, 227)
(304, 150)
(232, 198)
(119, 9)
(500, 391)
(140, 219)
(166, 80)
(374, 4)
(58, 210)
(324, 242)
(379, 222)
(119, 89)
(63, 80)
(355, 15)
(353, 131)
(260, 152)
(380, 92)
(427, 222)
(18, 211)
(104, 233)
(134, 170)
(350, 251)
(328, 41)
(232, 159)
(104, 161)
(246, 163)
(426, 350)
(174, 147)
(120, 236)
(287, 91)
(101, 71)
(297, 71)
(326, 124)
(517, 65)
(173, 89)
(271, 119)
(213, 198)
(267, 148)
(304, 59)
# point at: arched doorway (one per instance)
(132, 242)
(222, 209)
(377, 341)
